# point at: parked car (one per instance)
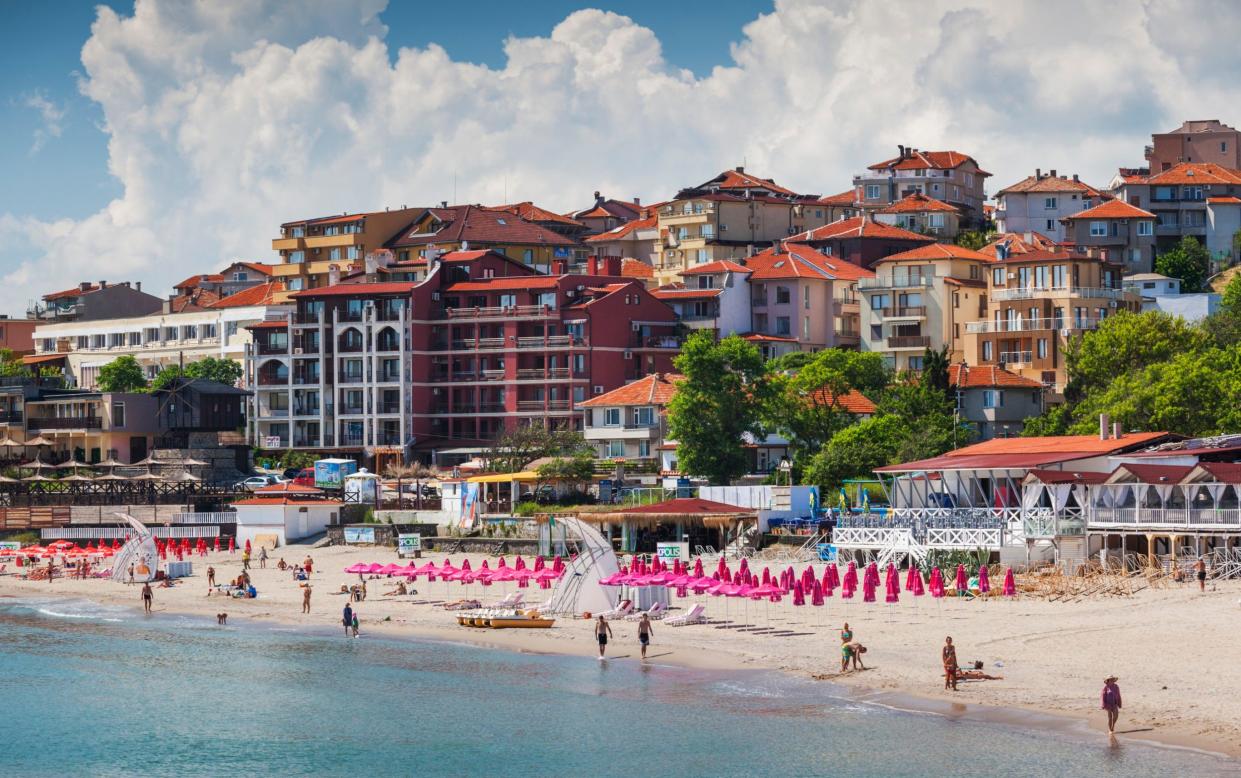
(290, 473)
(255, 482)
(305, 477)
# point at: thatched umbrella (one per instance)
(76, 477)
(4, 479)
(112, 477)
(38, 440)
(38, 477)
(147, 477)
(109, 462)
(682, 510)
(36, 464)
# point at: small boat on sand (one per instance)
(504, 618)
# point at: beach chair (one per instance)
(657, 611)
(512, 600)
(695, 615)
(620, 611)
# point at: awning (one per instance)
(39, 359)
(504, 478)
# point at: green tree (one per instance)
(1224, 326)
(973, 239)
(514, 449)
(935, 370)
(122, 374)
(929, 418)
(1189, 261)
(856, 451)
(11, 365)
(1054, 421)
(572, 471)
(808, 407)
(224, 371)
(1123, 343)
(166, 377)
(722, 397)
(790, 362)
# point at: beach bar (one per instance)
(690, 520)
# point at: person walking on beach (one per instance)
(644, 633)
(131, 572)
(263, 557)
(306, 599)
(1200, 570)
(347, 619)
(210, 580)
(1111, 702)
(245, 559)
(355, 624)
(603, 631)
(147, 594)
(308, 565)
(950, 664)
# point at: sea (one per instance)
(87, 689)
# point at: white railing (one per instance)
(1034, 292)
(964, 537)
(1016, 357)
(216, 517)
(1164, 517)
(1031, 325)
(88, 533)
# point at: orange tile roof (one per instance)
(798, 261)
(273, 324)
(933, 251)
(264, 268)
(718, 266)
(636, 268)
(508, 282)
(66, 293)
(618, 233)
(1049, 184)
(1224, 200)
(533, 213)
(1018, 244)
(193, 281)
(286, 501)
(1058, 444)
(988, 376)
(259, 294)
(287, 488)
(1195, 173)
(922, 160)
(736, 179)
(759, 337)
(859, 227)
(853, 402)
(654, 389)
(844, 199)
(679, 292)
(1112, 209)
(919, 203)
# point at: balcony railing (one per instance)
(1032, 293)
(758, 302)
(1016, 357)
(268, 349)
(905, 312)
(499, 312)
(909, 341)
(1031, 325)
(896, 283)
(10, 417)
(64, 423)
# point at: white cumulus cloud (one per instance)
(52, 115)
(227, 118)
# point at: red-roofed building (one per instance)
(606, 214)
(87, 302)
(1117, 230)
(562, 225)
(482, 344)
(630, 422)
(310, 249)
(805, 296)
(924, 215)
(994, 400)
(633, 240)
(1037, 203)
(1200, 199)
(950, 176)
(466, 227)
(1008, 244)
(861, 240)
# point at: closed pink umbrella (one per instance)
(698, 567)
(892, 595)
(937, 583)
(766, 579)
(799, 595)
(962, 581)
(520, 564)
(894, 577)
(501, 563)
(1010, 584)
(558, 564)
(816, 594)
(831, 579)
(745, 565)
(868, 589)
(849, 585)
(984, 579)
(538, 563)
(909, 577)
(917, 588)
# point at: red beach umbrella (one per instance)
(917, 589)
(217, 544)
(799, 596)
(232, 544)
(116, 544)
(247, 545)
(816, 594)
(909, 577)
(937, 583)
(766, 578)
(984, 580)
(520, 564)
(698, 567)
(868, 589)
(1010, 584)
(962, 580)
(893, 588)
(538, 563)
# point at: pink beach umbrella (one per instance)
(937, 583)
(799, 595)
(766, 578)
(917, 588)
(849, 585)
(984, 579)
(520, 564)
(962, 580)
(816, 594)
(894, 576)
(698, 567)
(354, 569)
(831, 579)
(538, 563)
(868, 588)
(745, 565)
(892, 595)
(909, 577)
(545, 577)
(523, 578)
(1010, 584)
(501, 563)
(391, 569)
(558, 564)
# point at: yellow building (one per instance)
(309, 249)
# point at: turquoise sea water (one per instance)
(87, 690)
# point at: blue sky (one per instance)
(67, 177)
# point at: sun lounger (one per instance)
(620, 611)
(512, 600)
(657, 611)
(695, 615)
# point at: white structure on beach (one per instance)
(284, 513)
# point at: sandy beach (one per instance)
(1172, 649)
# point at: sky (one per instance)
(155, 140)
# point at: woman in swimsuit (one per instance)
(950, 664)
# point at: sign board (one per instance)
(670, 551)
(827, 552)
(359, 534)
(271, 441)
(330, 473)
(408, 544)
(9, 545)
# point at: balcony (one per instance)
(905, 312)
(538, 406)
(661, 342)
(389, 409)
(288, 244)
(10, 417)
(305, 379)
(549, 341)
(352, 378)
(64, 423)
(1043, 293)
(758, 302)
(273, 350)
(1016, 357)
(915, 282)
(1030, 325)
(306, 410)
(352, 410)
(501, 312)
(908, 342)
(334, 241)
(273, 379)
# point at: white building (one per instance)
(713, 296)
(1038, 203)
(284, 517)
(1161, 293)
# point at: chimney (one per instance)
(1103, 422)
(333, 275)
(84, 286)
(103, 284)
(1038, 174)
(465, 245)
(612, 266)
(740, 169)
(637, 201)
(598, 198)
(1116, 433)
(1076, 179)
(1053, 172)
(138, 285)
(902, 149)
(749, 250)
(592, 265)
(1028, 236)
(443, 203)
(558, 267)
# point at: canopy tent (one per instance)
(503, 478)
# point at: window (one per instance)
(1049, 203)
(616, 448)
(937, 220)
(612, 417)
(997, 277)
(805, 294)
(1164, 193)
(876, 332)
(189, 332)
(297, 232)
(872, 191)
(782, 325)
(682, 233)
(992, 398)
(975, 272)
(1050, 226)
(1145, 229)
(49, 344)
(1058, 276)
(527, 256)
(508, 300)
(97, 341)
(296, 284)
(708, 231)
(1098, 229)
(805, 328)
(152, 334)
(1041, 348)
(878, 302)
(118, 414)
(986, 351)
(706, 282)
(135, 338)
(701, 256)
(1040, 276)
(1023, 277)
(644, 416)
(915, 363)
(956, 299)
(83, 342)
(644, 448)
(209, 331)
(353, 252)
(1135, 255)
(782, 295)
(297, 257)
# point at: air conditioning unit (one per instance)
(570, 293)
(1113, 304)
(435, 295)
(793, 230)
(1065, 331)
(723, 228)
(628, 355)
(636, 326)
(297, 350)
(598, 389)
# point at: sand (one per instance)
(1174, 650)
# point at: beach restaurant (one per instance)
(691, 520)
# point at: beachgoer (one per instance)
(131, 572)
(245, 560)
(858, 649)
(347, 619)
(950, 664)
(976, 675)
(1111, 702)
(210, 579)
(846, 647)
(263, 557)
(364, 590)
(398, 591)
(603, 630)
(846, 634)
(309, 564)
(644, 633)
(282, 565)
(147, 594)
(355, 624)
(306, 599)
(1200, 569)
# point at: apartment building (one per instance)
(206, 288)
(803, 300)
(156, 340)
(1122, 232)
(442, 366)
(841, 206)
(925, 215)
(473, 227)
(994, 401)
(922, 299)
(1202, 200)
(1161, 293)
(1201, 140)
(714, 296)
(87, 302)
(567, 226)
(635, 239)
(17, 335)
(950, 176)
(1008, 244)
(1039, 202)
(608, 214)
(1037, 301)
(630, 422)
(729, 217)
(311, 248)
(861, 240)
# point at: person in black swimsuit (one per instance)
(1200, 568)
(603, 630)
(644, 633)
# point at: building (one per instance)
(714, 296)
(1008, 244)
(1152, 284)
(440, 367)
(805, 297)
(311, 248)
(607, 214)
(88, 302)
(276, 516)
(1161, 293)
(630, 422)
(729, 217)
(924, 215)
(996, 402)
(922, 299)
(841, 206)
(1036, 302)
(1201, 200)
(202, 290)
(473, 227)
(861, 240)
(561, 225)
(635, 239)
(950, 176)
(157, 340)
(1203, 140)
(1123, 233)
(1039, 202)
(17, 335)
